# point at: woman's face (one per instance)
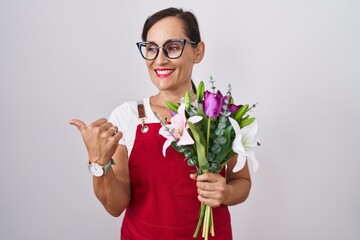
(172, 74)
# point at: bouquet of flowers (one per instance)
(209, 132)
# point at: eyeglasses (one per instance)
(172, 48)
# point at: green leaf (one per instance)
(228, 156)
(200, 146)
(172, 106)
(241, 112)
(200, 92)
(232, 101)
(245, 122)
(187, 100)
(246, 117)
(204, 120)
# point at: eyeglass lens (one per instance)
(172, 49)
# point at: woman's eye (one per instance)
(173, 48)
(151, 48)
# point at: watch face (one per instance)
(96, 169)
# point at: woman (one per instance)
(161, 200)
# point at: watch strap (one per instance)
(108, 165)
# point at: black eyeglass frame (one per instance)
(183, 42)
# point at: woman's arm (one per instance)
(113, 188)
(238, 184)
(101, 139)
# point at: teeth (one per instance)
(164, 72)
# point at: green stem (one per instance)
(204, 226)
(201, 217)
(207, 222)
(212, 230)
(208, 136)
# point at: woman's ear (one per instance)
(199, 52)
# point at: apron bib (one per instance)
(164, 202)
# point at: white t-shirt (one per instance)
(126, 118)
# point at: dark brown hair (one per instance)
(189, 20)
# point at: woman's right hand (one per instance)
(101, 139)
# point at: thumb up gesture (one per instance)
(100, 137)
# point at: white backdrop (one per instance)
(77, 59)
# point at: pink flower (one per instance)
(212, 103)
(177, 130)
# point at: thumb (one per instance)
(193, 176)
(79, 124)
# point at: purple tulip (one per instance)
(233, 108)
(212, 103)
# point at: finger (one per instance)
(209, 201)
(118, 136)
(193, 176)
(112, 130)
(203, 193)
(79, 124)
(211, 186)
(209, 194)
(207, 186)
(215, 193)
(99, 122)
(108, 129)
(208, 177)
(105, 126)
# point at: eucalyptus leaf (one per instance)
(225, 147)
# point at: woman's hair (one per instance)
(189, 20)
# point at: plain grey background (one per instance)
(77, 59)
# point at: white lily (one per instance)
(243, 144)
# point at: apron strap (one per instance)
(142, 116)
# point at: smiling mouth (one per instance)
(162, 73)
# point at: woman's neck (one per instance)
(158, 103)
(161, 98)
(173, 95)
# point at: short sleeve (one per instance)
(126, 118)
(123, 117)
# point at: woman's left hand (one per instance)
(212, 188)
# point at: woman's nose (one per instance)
(161, 58)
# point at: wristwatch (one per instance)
(97, 170)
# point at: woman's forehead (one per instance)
(165, 29)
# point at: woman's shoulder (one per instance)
(127, 110)
(125, 107)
